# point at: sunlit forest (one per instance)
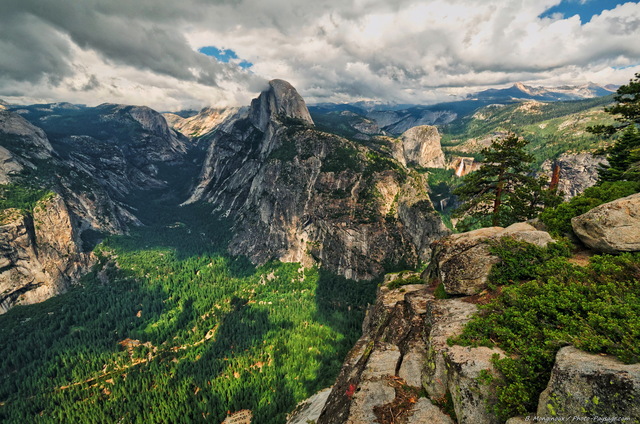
(167, 327)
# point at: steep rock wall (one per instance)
(578, 171)
(40, 253)
(298, 194)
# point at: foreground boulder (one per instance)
(462, 262)
(612, 227)
(586, 385)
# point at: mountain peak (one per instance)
(521, 86)
(280, 99)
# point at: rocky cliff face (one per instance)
(93, 161)
(298, 194)
(578, 171)
(421, 147)
(40, 253)
(404, 350)
(202, 123)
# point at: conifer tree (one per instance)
(503, 190)
(623, 157)
(624, 154)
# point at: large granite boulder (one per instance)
(462, 262)
(612, 227)
(587, 385)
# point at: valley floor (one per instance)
(168, 327)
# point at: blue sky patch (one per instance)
(625, 67)
(585, 8)
(225, 56)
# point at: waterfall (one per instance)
(460, 169)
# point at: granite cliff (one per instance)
(299, 194)
(40, 253)
(91, 161)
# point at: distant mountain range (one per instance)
(520, 91)
(396, 118)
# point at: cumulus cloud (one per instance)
(146, 51)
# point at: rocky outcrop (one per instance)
(462, 262)
(456, 371)
(207, 120)
(421, 147)
(578, 171)
(404, 349)
(299, 194)
(407, 343)
(612, 227)
(392, 334)
(310, 409)
(587, 385)
(40, 254)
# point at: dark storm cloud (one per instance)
(30, 50)
(142, 34)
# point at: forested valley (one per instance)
(167, 327)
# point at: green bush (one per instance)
(401, 281)
(440, 292)
(522, 261)
(550, 303)
(558, 219)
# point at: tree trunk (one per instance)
(555, 177)
(498, 200)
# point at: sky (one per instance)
(188, 54)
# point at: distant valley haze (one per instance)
(191, 54)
